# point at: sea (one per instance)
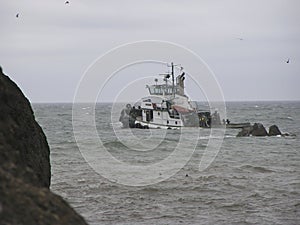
(113, 175)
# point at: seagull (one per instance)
(17, 15)
(67, 2)
(288, 61)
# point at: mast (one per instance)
(173, 82)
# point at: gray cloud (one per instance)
(51, 44)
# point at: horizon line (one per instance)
(70, 102)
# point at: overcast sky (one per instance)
(49, 46)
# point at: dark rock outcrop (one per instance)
(23, 203)
(25, 197)
(274, 131)
(24, 151)
(259, 130)
(245, 132)
(256, 130)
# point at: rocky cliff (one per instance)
(25, 197)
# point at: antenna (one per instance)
(167, 76)
(173, 80)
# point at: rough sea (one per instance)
(252, 180)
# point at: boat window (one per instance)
(157, 91)
(149, 115)
(161, 89)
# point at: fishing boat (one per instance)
(167, 106)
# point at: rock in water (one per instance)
(259, 130)
(256, 130)
(245, 132)
(274, 131)
(25, 197)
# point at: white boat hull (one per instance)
(156, 126)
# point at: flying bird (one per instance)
(288, 61)
(67, 2)
(17, 15)
(241, 39)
